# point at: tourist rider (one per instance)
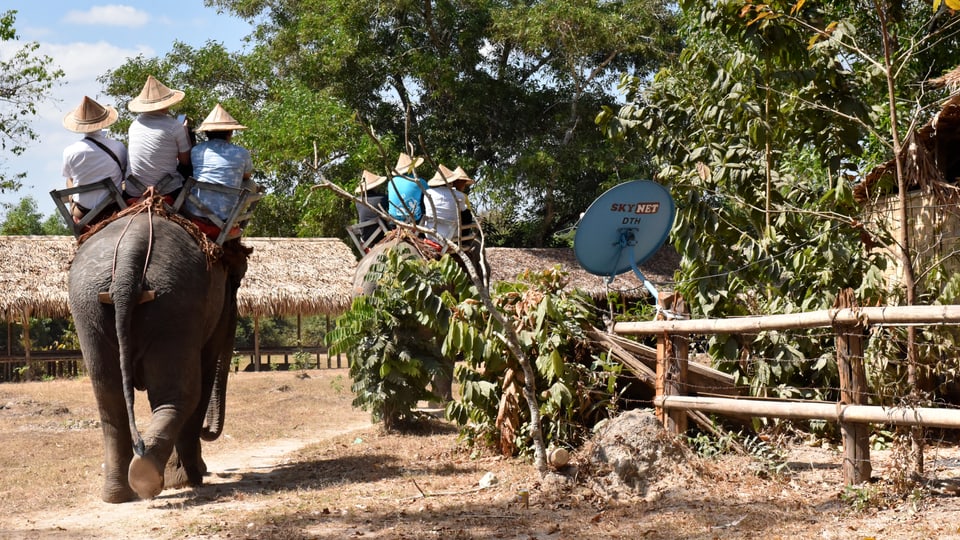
(405, 190)
(159, 143)
(445, 201)
(219, 161)
(94, 157)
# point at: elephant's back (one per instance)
(141, 244)
(362, 286)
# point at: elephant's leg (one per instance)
(186, 467)
(173, 389)
(146, 472)
(118, 451)
(177, 474)
(104, 371)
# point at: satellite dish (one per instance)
(623, 228)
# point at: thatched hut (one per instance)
(931, 163)
(285, 277)
(507, 263)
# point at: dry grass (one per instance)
(296, 461)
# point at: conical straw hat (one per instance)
(154, 97)
(89, 116)
(405, 163)
(370, 181)
(443, 177)
(219, 120)
(460, 174)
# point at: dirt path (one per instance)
(237, 470)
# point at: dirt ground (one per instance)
(297, 461)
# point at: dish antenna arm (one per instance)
(628, 239)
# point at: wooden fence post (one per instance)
(853, 391)
(256, 343)
(672, 357)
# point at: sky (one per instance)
(85, 40)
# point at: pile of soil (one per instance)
(631, 456)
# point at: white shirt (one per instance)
(156, 140)
(85, 163)
(444, 213)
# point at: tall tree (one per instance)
(499, 88)
(26, 78)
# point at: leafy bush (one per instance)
(426, 315)
(391, 337)
(576, 388)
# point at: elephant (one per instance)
(153, 312)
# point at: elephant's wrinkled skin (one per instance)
(177, 347)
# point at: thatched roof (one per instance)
(507, 263)
(33, 275)
(285, 276)
(291, 276)
(929, 157)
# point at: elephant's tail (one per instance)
(125, 292)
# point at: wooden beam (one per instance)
(825, 318)
(807, 410)
(853, 391)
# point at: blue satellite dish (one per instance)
(623, 228)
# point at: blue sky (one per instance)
(86, 39)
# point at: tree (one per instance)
(23, 219)
(496, 87)
(800, 98)
(26, 79)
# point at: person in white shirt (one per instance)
(159, 143)
(94, 157)
(446, 201)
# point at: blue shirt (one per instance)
(405, 195)
(219, 162)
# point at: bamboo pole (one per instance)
(866, 316)
(807, 410)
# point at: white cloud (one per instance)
(82, 63)
(111, 15)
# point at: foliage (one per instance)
(22, 219)
(504, 89)
(391, 337)
(577, 389)
(26, 79)
(425, 316)
(770, 459)
(756, 133)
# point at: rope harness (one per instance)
(154, 204)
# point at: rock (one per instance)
(558, 457)
(488, 480)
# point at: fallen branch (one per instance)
(424, 495)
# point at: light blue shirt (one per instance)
(219, 162)
(406, 197)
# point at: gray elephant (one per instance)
(153, 312)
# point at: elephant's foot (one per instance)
(117, 494)
(145, 477)
(179, 476)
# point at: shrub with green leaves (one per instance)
(425, 316)
(576, 388)
(392, 337)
